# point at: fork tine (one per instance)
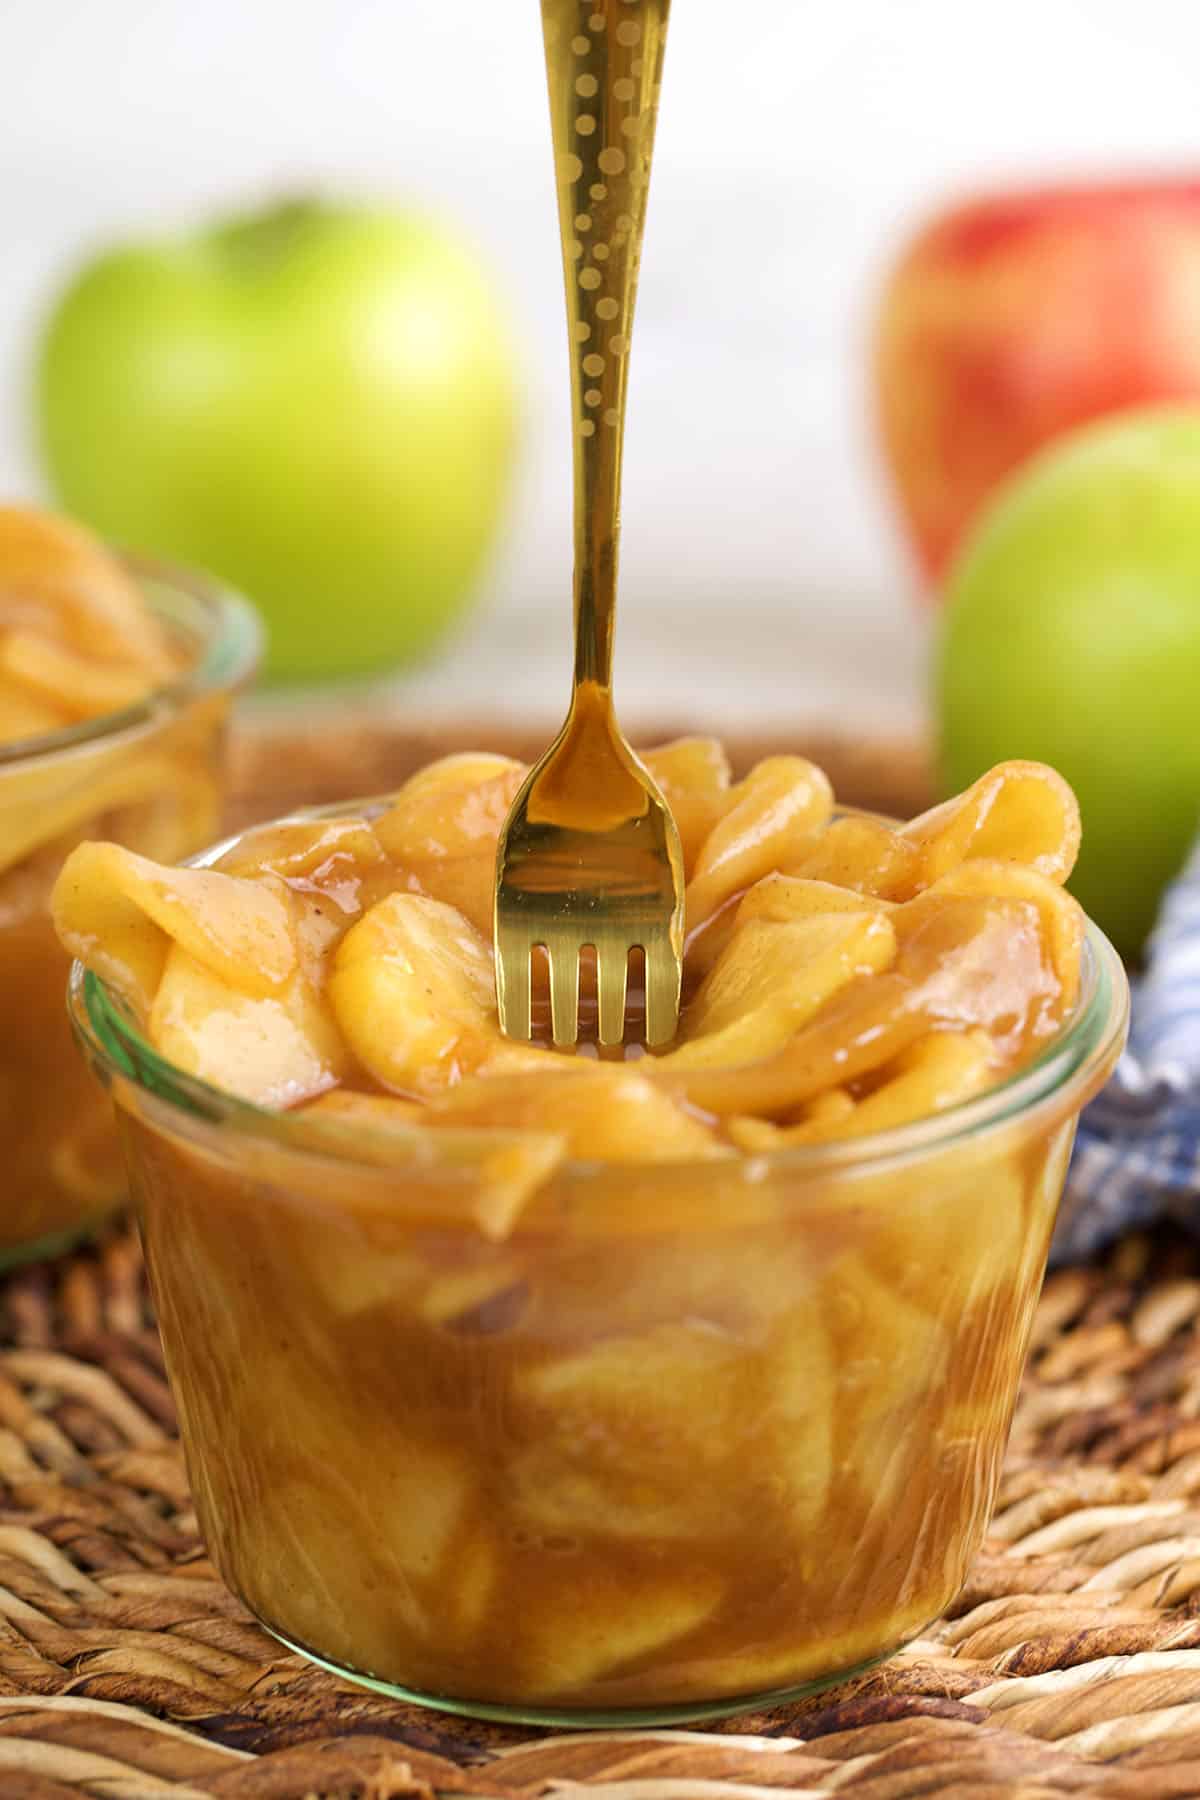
(612, 971)
(662, 988)
(513, 983)
(564, 992)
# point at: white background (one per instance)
(799, 140)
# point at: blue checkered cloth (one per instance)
(1137, 1155)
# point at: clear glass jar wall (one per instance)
(150, 777)
(687, 1436)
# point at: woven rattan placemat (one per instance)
(1069, 1665)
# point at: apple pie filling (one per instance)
(571, 1381)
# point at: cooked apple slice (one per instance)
(108, 903)
(983, 961)
(62, 583)
(657, 1434)
(510, 1176)
(940, 1070)
(413, 989)
(630, 1438)
(390, 1566)
(800, 1400)
(97, 922)
(967, 963)
(610, 1622)
(604, 1112)
(289, 1559)
(77, 687)
(480, 1299)
(861, 853)
(430, 1489)
(957, 1230)
(508, 1166)
(781, 899)
(345, 1260)
(323, 852)
(772, 816)
(785, 899)
(274, 1049)
(694, 779)
(443, 826)
(1019, 811)
(771, 979)
(466, 1592)
(25, 713)
(335, 870)
(818, 1118)
(738, 1276)
(988, 879)
(891, 1356)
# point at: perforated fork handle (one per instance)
(604, 67)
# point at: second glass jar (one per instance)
(150, 777)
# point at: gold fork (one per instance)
(589, 855)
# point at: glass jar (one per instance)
(149, 777)
(684, 1440)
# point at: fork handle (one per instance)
(604, 68)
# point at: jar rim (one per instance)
(1070, 1068)
(229, 640)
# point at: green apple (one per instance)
(1072, 635)
(316, 403)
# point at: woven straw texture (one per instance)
(1070, 1664)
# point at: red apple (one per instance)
(1011, 319)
